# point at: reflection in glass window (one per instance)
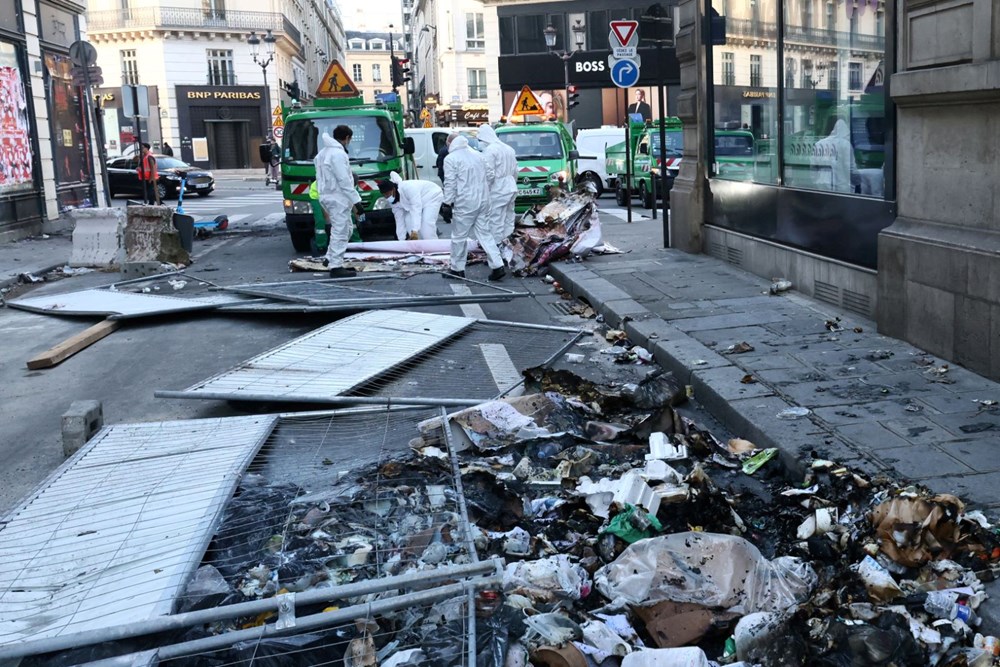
(790, 72)
(597, 33)
(746, 116)
(834, 140)
(507, 36)
(530, 35)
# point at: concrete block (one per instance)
(150, 236)
(131, 270)
(98, 237)
(80, 423)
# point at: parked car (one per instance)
(123, 179)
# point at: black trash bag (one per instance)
(444, 644)
(493, 636)
(252, 518)
(207, 588)
(885, 641)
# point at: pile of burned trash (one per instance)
(628, 529)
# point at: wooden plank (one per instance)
(72, 345)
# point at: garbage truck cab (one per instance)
(377, 148)
(546, 157)
(644, 152)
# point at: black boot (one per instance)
(342, 272)
(496, 274)
(451, 273)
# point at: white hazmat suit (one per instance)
(466, 190)
(501, 177)
(837, 152)
(337, 195)
(417, 209)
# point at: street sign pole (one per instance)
(658, 25)
(628, 157)
(624, 64)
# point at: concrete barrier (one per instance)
(150, 236)
(98, 237)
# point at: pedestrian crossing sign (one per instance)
(527, 104)
(278, 121)
(336, 83)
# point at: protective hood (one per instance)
(395, 178)
(840, 130)
(458, 143)
(487, 134)
(328, 141)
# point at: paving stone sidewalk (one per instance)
(875, 402)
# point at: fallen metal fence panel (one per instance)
(75, 552)
(118, 305)
(476, 362)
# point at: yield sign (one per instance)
(624, 31)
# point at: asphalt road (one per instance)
(125, 368)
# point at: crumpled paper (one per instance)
(915, 530)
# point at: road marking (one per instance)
(502, 368)
(468, 309)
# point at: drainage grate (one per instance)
(734, 256)
(857, 303)
(826, 293)
(563, 307)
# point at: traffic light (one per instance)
(400, 71)
(292, 88)
(572, 97)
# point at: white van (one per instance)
(427, 141)
(591, 145)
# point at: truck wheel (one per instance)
(645, 196)
(620, 198)
(591, 177)
(302, 241)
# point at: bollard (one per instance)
(80, 423)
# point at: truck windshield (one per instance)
(675, 144)
(534, 145)
(372, 140)
(733, 144)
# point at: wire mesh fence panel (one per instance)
(118, 305)
(372, 291)
(79, 553)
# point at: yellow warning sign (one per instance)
(527, 104)
(277, 111)
(336, 83)
(278, 122)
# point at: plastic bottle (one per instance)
(989, 644)
(944, 604)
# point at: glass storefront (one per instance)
(798, 102)
(70, 147)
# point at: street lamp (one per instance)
(550, 33)
(263, 59)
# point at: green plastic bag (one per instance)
(624, 527)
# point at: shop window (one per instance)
(507, 36)
(530, 35)
(15, 151)
(70, 148)
(377, 73)
(220, 68)
(475, 35)
(477, 84)
(745, 117)
(728, 69)
(356, 71)
(130, 68)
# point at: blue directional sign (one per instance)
(625, 73)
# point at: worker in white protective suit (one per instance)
(465, 190)
(501, 178)
(415, 206)
(835, 154)
(337, 196)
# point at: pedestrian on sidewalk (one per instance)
(148, 175)
(466, 192)
(415, 206)
(167, 150)
(501, 178)
(337, 196)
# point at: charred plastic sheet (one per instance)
(378, 355)
(382, 291)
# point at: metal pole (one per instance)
(326, 400)
(628, 157)
(89, 127)
(267, 103)
(307, 623)
(253, 608)
(102, 149)
(456, 471)
(566, 59)
(663, 141)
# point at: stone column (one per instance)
(939, 262)
(688, 195)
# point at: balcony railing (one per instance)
(833, 39)
(190, 18)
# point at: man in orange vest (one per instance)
(148, 175)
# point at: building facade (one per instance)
(525, 60)
(368, 62)
(47, 153)
(208, 97)
(455, 76)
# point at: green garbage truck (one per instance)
(644, 151)
(377, 149)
